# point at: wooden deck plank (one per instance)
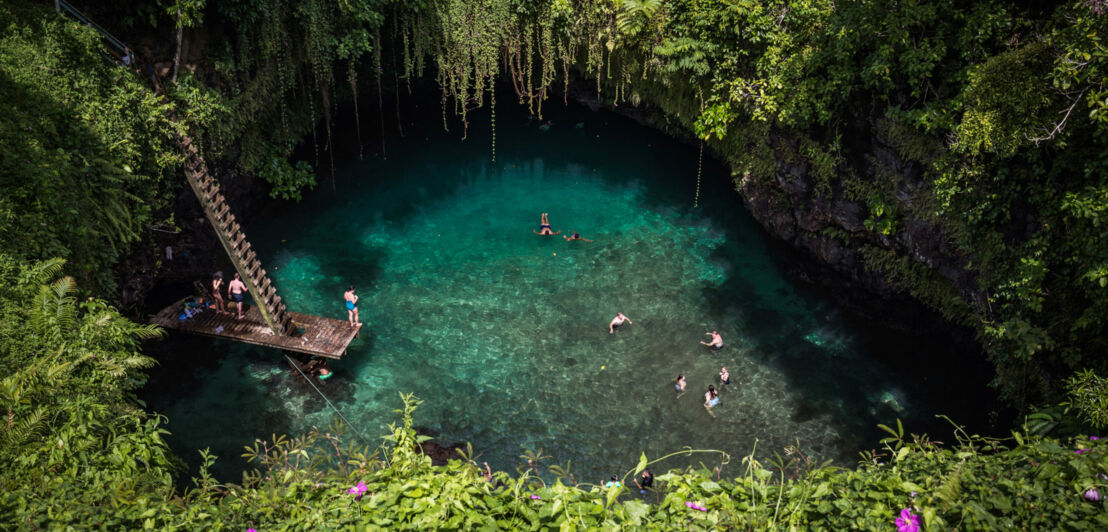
(324, 337)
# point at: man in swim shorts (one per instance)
(576, 236)
(617, 321)
(237, 290)
(717, 341)
(352, 307)
(544, 227)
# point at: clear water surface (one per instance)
(504, 334)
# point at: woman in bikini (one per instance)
(544, 227)
(217, 293)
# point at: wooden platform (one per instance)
(313, 335)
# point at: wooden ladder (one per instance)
(234, 240)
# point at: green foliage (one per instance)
(73, 436)
(1008, 102)
(86, 149)
(287, 180)
(1088, 394)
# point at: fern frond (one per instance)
(42, 272)
(29, 428)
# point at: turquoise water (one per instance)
(504, 334)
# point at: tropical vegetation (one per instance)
(980, 123)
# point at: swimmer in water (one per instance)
(724, 376)
(717, 341)
(617, 321)
(576, 236)
(679, 385)
(711, 398)
(544, 227)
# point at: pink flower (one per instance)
(695, 506)
(536, 498)
(251, 530)
(358, 491)
(907, 522)
(1094, 438)
(1092, 495)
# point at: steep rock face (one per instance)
(831, 227)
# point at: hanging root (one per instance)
(699, 167)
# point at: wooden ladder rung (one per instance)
(230, 220)
(223, 209)
(245, 247)
(265, 284)
(261, 275)
(236, 239)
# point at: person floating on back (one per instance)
(237, 289)
(717, 341)
(617, 322)
(352, 307)
(576, 236)
(544, 227)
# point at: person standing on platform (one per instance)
(217, 293)
(237, 290)
(352, 307)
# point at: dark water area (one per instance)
(504, 334)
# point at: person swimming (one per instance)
(724, 376)
(717, 341)
(576, 236)
(711, 398)
(617, 321)
(679, 384)
(544, 227)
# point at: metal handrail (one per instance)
(60, 5)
